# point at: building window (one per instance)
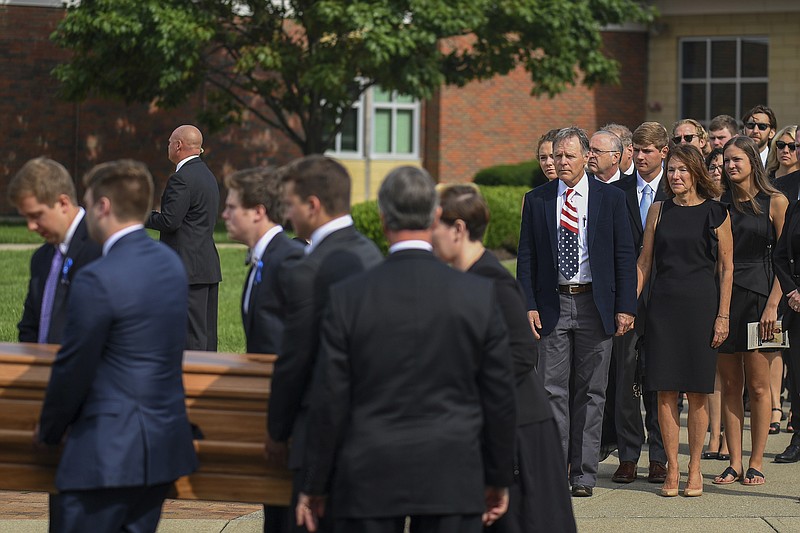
(393, 127)
(722, 75)
(349, 141)
(395, 124)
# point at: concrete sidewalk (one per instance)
(616, 508)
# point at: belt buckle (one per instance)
(572, 289)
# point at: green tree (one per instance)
(299, 65)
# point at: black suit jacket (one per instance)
(789, 185)
(628, 185)
(263, 322)
(532, 402)
(340, 255)
(413, 404)
(189, 208)
(82, 250)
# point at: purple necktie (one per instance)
(49, 295)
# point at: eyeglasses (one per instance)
(714, 168)
(754, 125)
(595, 151)
(780, 145)
(688, 138)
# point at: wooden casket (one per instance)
(226, 397)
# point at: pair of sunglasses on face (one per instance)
(754, 125)
(780, 145)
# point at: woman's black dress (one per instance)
(753, 238)
(684, 299)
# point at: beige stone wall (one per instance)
(378, 168)
(782, 30)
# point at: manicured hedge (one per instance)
(525, 174)
(505, 205)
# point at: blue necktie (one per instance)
(644, 205)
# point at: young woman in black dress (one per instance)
(688, 240)
(757, 213)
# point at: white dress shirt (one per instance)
(257, 254)
(64, 245)
(184, 161)
(580, 201)
(111, 241)
(326, 229)
(410, 245)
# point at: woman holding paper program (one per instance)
(687, 242)
(757, 211)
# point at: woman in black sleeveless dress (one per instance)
(757, 213)
(688, 241)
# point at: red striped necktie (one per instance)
(568, 237)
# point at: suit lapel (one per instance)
(595, 200)
(550, 206)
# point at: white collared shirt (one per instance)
(64, 245)
(764, 153)
(111, 241)
(612, 179)
(258, 254)
(184, 161)
(654, 184)
(326, 229)
(631, 169)
(580, 200)
(413, 244)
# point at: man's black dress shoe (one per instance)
(657, 472)
(790, 455)
(581, 491)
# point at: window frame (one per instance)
(708, 80)
(394, 107)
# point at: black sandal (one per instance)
(751, 474)
(725, 473)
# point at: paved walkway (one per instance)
(613, 508)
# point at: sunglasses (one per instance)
(780, 145)
(688, 138)
(754, 125)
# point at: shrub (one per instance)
(525, 174)
(368, 221)
(505, 206)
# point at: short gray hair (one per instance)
(407, 199)
(620, 131)
(616, 142)
(570, 132)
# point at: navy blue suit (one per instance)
(266, 312)
(611, 253)
(116, 389)
(575, 348)
(82, 250)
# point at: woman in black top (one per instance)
(539, 499)
(757, 211)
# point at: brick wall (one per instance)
(34, 122)
(497, 121)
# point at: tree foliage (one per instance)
(299, 65)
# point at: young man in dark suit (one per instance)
(413, 406)
(253, 212)
(577, 266)
(186, 221)
(115, 397)
(650, 142)
(317, 196)
(43, 193)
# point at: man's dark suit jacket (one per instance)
(611, 254)
(264, 320)
(340, 255)
(628, 185)
(117, 381)
(186, 221)
(82, 250)
(413, 405)
(533, 404)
